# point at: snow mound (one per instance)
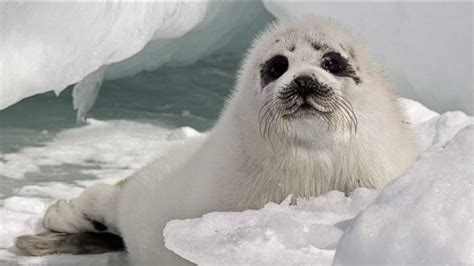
(274, 235)
(423, 217)
(435, 133)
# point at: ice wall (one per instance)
(426, 47)
(227, 27)
(48, 46)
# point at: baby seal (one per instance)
(311, 113)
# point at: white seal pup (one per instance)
(311, 113)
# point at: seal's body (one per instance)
(310, 113)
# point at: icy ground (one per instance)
(425, 216)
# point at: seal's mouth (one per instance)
(305, 110)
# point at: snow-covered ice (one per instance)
(423, 216)
(278, 234)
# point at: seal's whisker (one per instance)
(345, 107)
(264, 113)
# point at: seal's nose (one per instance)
(305, 85)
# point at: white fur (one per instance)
(235, 168)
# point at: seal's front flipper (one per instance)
(80, 243)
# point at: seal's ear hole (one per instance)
(273, 68)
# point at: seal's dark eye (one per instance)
(273, 69)
(334, 63)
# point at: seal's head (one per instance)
(306, 78)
